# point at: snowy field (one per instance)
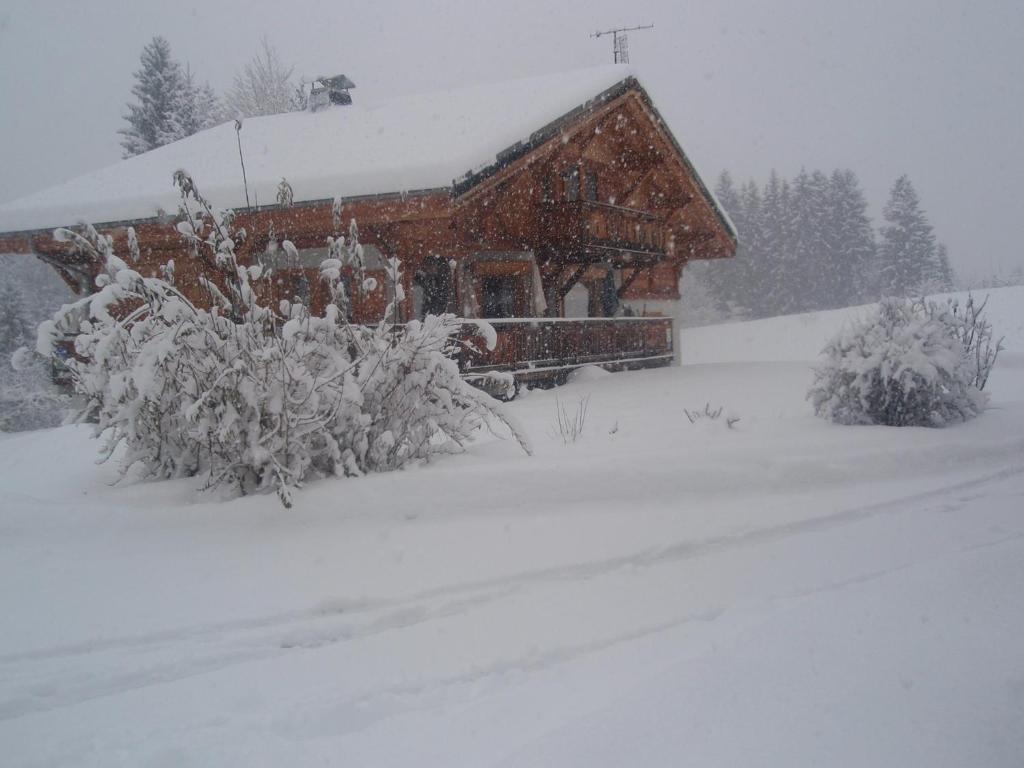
(660, 593)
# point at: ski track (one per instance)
(209, 648)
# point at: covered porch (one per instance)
(547, 350)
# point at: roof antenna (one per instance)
(620, 42)
(238, 134)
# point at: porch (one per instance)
(548, 349)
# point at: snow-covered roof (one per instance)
(412, 143)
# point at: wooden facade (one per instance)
(603, 198)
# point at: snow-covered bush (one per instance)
(250, 397)
(912, 363)
(973, 331)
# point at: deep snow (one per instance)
(788, 592)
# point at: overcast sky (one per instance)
(933, 88)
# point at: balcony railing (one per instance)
(549, 348)
(590, 225)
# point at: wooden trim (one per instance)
(628, 281)
(563, 290)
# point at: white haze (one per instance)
(933, 89)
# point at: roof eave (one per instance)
(161, 218)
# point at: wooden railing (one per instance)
(589, 224)
(548, 348)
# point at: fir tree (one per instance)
(780, 226)
(851, 242)
(195, 109)
(806, 279)
(943, 280)
(751, 264)
(723, 279)
(159, 87)
(907, 252)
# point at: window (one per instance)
(500, 295)
(433, 285)
(302, 293)
(572, 185)
(590, 186)
(546, 193)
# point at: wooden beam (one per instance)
(628, 281)
(574, 278)
(78, 276)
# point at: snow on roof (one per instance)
(413, 143)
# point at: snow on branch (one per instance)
(913, 363)
(252, 398)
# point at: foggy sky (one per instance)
(931, 88)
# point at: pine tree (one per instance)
(776, 237)
(159, 86)
(807, 280)
(943, 280)
(724, 277)
(195, 109)
(263, 87)
(907, 252)
(751, 264)
(851, 242)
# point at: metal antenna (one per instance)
(245, 183)
(620, 42)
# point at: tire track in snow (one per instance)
(212, 647)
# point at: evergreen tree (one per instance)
(944, 280)
(728, 196)
(751, 264)
(907, 253)
(806, 279)
(723, 279)
(195, 109)
(159, 86)
(775, 242)
(851, 242)
(263, 87)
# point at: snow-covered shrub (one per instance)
(250, 397)
(913, 363)
(973, 331)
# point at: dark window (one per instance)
(609, 295)
(546, 195)
(572, 185)
(302, 290)
(590, 186)
(500, 295)
(435, 280)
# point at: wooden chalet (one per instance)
(560, 208)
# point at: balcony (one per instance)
(551, 348)
(602, 231)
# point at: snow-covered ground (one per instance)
(788, 592)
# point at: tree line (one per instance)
(170, 104)
(808, 243)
